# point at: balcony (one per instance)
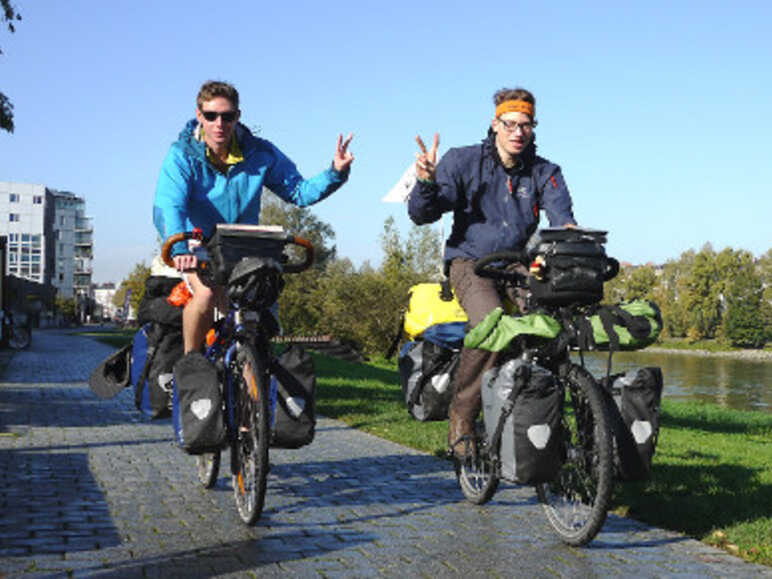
(83, 224)
(83, 238)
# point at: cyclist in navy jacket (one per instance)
(495, 190)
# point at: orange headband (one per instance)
(517, 106)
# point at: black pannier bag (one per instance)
(634, 406)
(569, 266)
(426, 369)
(155, 349)
(294, 421)
(198, 408)
(522, 409)
(157, 346)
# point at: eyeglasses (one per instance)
(512, 126)
(227, 116)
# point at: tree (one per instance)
(6, 108)
(765, 272)
(302, 222)
(743, 325)
(136, 283)
(65, 307)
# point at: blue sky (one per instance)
(659, 113)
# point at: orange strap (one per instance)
(517, 106)
(180, 295)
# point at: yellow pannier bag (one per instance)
(430, 304)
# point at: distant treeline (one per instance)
(702, 295)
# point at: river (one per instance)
(733, 383)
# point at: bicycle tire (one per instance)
(19, 338)
(477, 475)
(208, 468)
(251, 378)
(576, 502)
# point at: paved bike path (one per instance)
(90, 488)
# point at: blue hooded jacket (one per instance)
(494, 209)
(192, 193)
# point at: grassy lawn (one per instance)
(117, 338)
(712, 473)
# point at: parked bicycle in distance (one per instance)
(249, 261)
(18, 336)
(577, 496)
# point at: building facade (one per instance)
(50, 238)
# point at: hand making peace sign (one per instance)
(343, 158)
(426, 161)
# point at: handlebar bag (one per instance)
(197, 410)
(522, 409)
(426, 369)
(293, 389)
(229, 245)
(633, 401)
(569, 266)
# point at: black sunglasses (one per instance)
(227, 116)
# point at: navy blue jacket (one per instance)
(494, 209)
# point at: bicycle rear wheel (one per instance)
(477, 475)
(576, 502)
(207, 468)
(250, 450)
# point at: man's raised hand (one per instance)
(343, 158)
(426, 161)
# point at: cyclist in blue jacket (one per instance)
(495, 190)
(215, 173)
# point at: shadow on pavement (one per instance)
(237, 557)
(52, 504)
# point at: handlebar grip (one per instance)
(166, 250)
(481, 265)
(309, 260)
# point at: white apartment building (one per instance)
(49, 237)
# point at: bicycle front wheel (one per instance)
(251, 378)
(576, 502)
(207, 468)
(477, 474)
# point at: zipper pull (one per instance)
(509, 184)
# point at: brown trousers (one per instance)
(478, 296)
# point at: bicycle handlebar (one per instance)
(483, 268)
(198, 234)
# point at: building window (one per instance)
(37, 199)
(13, 217)
(13, 197)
